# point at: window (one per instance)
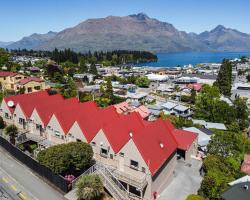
(6, 115)
(143, 169)
(57, 134)
(111, 156)
(38, 127)
(29, 89)
(93, 143)
(134, 164)
(121, 154)
(104, 152)
(21, 121)
(37, 87)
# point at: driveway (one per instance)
(186, 181)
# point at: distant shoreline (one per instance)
(168, 60)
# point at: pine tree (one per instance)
(224, 78)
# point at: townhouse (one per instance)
(9, 80)
(15, 82)
(140, 154)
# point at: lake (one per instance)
(185, 58)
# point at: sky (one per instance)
(22, 18)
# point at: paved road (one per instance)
(186, 181)
(20, 177)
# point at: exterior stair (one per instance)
(116, 189)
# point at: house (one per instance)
(31, 84)
(208, 125)
(168, 107)
(182, 111)
(16, 82)
(136, 97)
(9, 80)
(203, 138)
(140, 154)
(239, 189)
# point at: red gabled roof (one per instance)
(184, 138)
(5, 74)
(155, 140)
(27, 100)
(156, 144)
(29, 79)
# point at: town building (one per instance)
(11, 81)
(140, 154)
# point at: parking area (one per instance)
(186, 181)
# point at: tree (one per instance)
(2, 125)
(12, 132)
(89, 187)
(241, 112)
(227, 145)
(67, 158)
(93, 70)
(193, 96)
(142, 81)
(224, 78)
(109, 90)
(4, 57)
(194, 197)
(69, 90)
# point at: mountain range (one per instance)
(135, 32)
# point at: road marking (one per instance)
(22, 196)
(13, 187)
(5, 180)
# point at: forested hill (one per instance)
(107, 58)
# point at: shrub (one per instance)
(89, 187)
(67, 158)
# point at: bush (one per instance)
(194, 197)
(2, 125)
(89, 187)
(67, 158)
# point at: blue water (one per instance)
(185, 58)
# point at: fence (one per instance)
(43, 171)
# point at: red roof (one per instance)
(155, 140)
(245, 167)
(28, 101)
(195, 86)
(5, 74)
(184, 138)
(29, 79)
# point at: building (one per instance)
(15, 82)
(140, 154)
(239, 189)
(31, 84)
(9, 80)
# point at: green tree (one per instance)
(89, 187)
(109, 90)
(2, 125)
(4, 57)
(224, 78)
(12, 132)
(241, 112)
(193, 96)
(69, 90)
(194, 197)
(142, 81)
(67, 158)
(93, 70)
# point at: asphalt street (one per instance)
(17, 180)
